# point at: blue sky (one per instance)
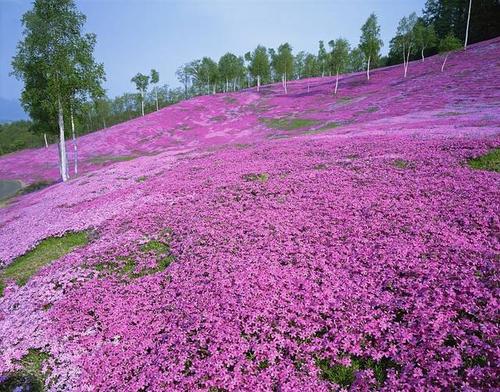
(137, 35)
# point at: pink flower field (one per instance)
(270, 242)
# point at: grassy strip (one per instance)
(48, 250)
(288, 124)
(489, 161)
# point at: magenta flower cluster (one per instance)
(362, 236)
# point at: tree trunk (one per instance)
(142, 102)
(407, 59)
(156, 96)
(467, 28)
(368, 69)
(423, 58)
(284, 83)
(337, 82)
(444, 62)
(45, 138)
(63, 160)
(75, 147)
(258, 83)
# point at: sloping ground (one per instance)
(300, 242)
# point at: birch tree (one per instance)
(259, 65)
(183, 76)
(283, 64)
(447, 45)
(322, 58)
(228, 70)
(52, 60)
(405, 38)
(425, 37)
(370, 42)
(155, 78)
(141, 84)
(339, 57)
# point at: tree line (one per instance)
(63, 83)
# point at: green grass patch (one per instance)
(489, 161)
(36, 186)
(31, 377)
(345, 375)
(230, 100)
(288, 124)
(126, 266)
(344, 99)
(262, 177)
(401, 164)
(141, 179)
(101, 159)
(219, 118)
(48, 250)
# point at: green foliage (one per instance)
(452, 14)
(48, 250)
(425, 36)
(322, 58)
(370, 42)
(311, 66)
(339, 56)
(489, 161)
(155, 76)
(449, 44)
(141, 82)
(18, 135)
(282, 61)
(356, 60)
(55, 61)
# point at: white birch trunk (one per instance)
(156, 96)
(423, 58)
(63, 160)
(258, 83)
(142, 102)
(368, 69)
(45, 138)
(444, 62)
(284, 81)
(467, 28)
(407, 60)
(75, 147)
(337, 82)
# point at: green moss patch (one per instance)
(48, 250)
(402, 164)
(102, 159)
(126, 266)
(262, 177)
(31, 377)
(489, 161)
(345, 375)
(288, 124)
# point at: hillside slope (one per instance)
(272, 242)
